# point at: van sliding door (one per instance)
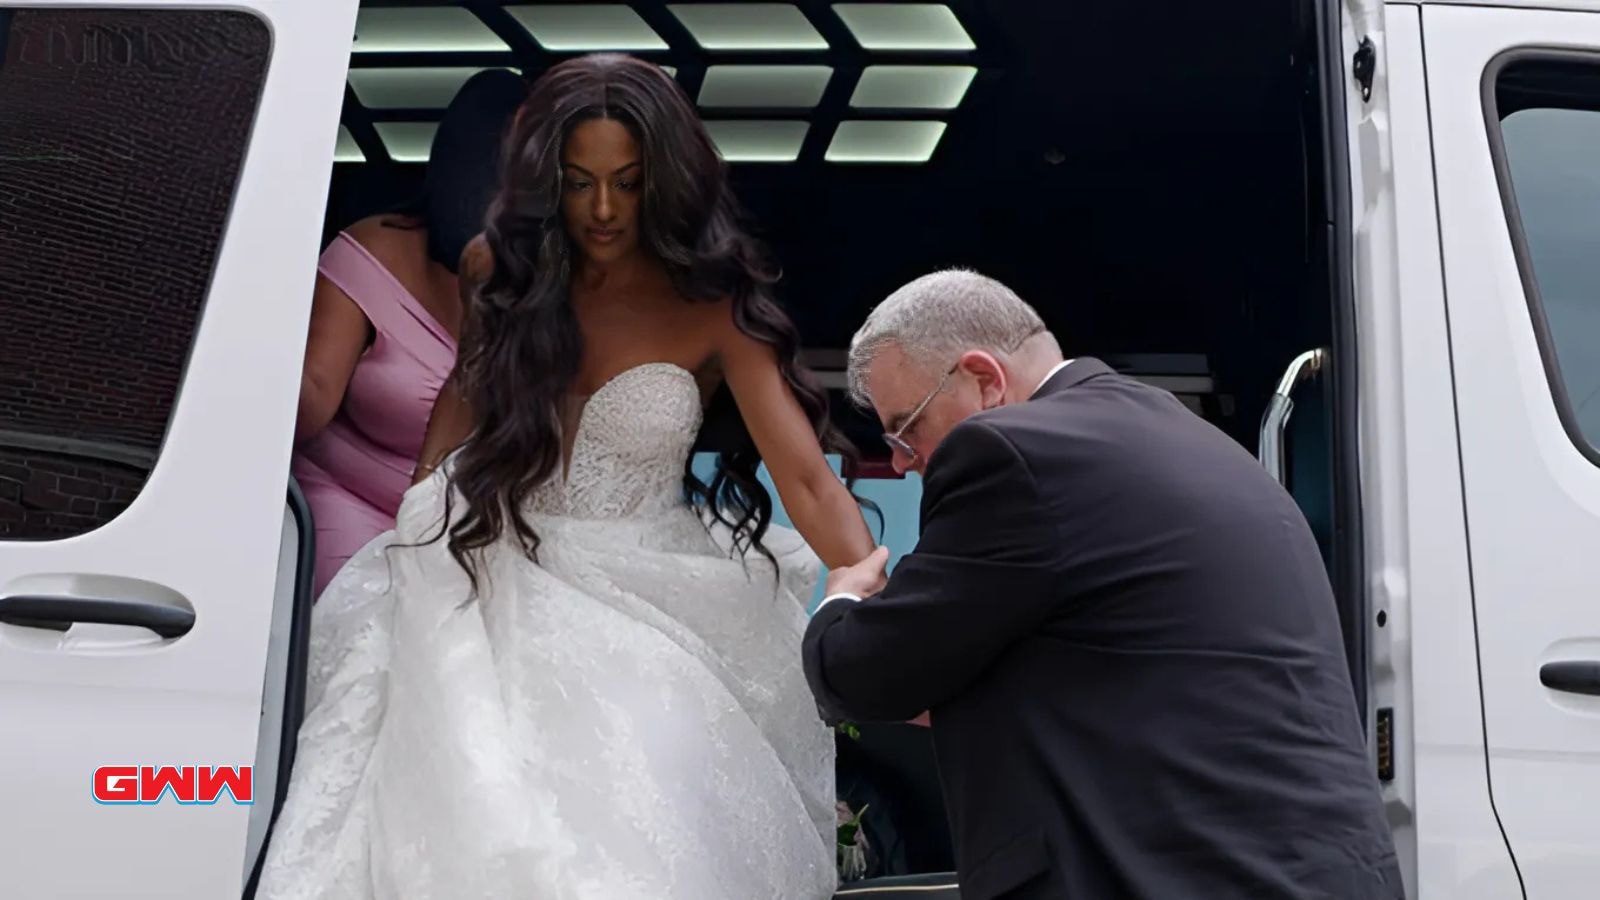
(1515, 110)
(163, 172)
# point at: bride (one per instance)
(564, 675)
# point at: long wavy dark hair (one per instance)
(521, 345)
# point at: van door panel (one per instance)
(1529, 471)
(182, 509)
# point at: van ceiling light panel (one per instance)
(905, 26)
(748, 26)
(585, 27)
(771, 87)
(912, 87)
(409, 88)
(423, 29)
(347, 150)
(885, 142)
(407, 141)
(752, 141)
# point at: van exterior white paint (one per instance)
(207, 526)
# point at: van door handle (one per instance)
(61, 613)
(1573, 676)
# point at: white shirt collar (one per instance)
(1051, 374)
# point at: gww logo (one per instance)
(186, 784)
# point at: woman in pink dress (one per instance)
(384, 322)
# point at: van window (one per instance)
(1549, 112)
(121, 137)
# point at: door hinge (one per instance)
(1365, 65)
(1385, 742)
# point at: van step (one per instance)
(936, 886)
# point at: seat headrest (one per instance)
(464, 161)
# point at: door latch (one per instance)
(1385, 744)
(1364, 66)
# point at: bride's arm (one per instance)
(816, 500)
(448, 427)
(450, 422)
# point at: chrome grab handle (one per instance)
(1275, 421)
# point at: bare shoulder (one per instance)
(718, 322)
(397, 241)
(477, 262)
(384, 229)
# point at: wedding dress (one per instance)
(625, 718)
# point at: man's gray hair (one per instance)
(936, 318)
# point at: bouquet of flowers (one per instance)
(852, 841)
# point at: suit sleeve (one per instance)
(982, 576)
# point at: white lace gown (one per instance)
(627, 718)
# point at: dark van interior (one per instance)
(1159, 179)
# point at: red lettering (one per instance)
(116, 784)
(186, 784)
(154, 782)
(240, 782)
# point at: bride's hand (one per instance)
(863, 579)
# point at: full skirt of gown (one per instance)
(626, 717)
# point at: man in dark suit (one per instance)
(1119, 624)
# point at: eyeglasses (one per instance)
(896, 439)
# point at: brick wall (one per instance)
(45, 496)
(121, 136)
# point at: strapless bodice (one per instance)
(633, 436)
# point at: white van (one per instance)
(1362, 238)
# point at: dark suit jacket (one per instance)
(1128, 642)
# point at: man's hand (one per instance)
(863, 579)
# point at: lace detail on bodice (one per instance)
(633, 436)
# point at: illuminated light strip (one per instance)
(786, 87)
(770, 141)
(905, 26)
(423, 29)
(587, 27)
(347, 150)
(884, 142)
(748, 26)
(407, 141)
(912, 87)
(715, 27)
(409, 88)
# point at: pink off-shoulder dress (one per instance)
(356, 470)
